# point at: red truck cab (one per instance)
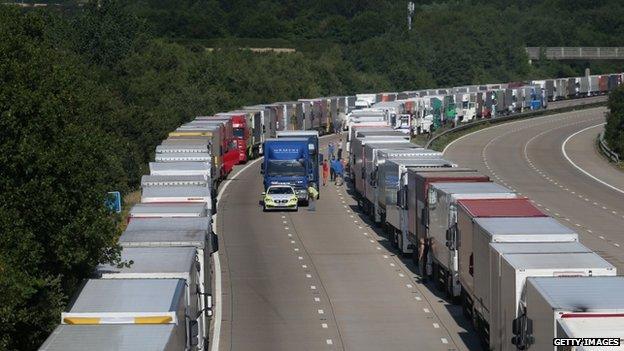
(241, 133)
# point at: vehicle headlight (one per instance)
(268, 200)
(292, 199)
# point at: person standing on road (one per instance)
(330, 151)
(339, 170)
(325, 172)
(332, 169)
(339, 155)
(312, 196)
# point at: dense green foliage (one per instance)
(87, 92)
(451, 43)
(614, 130)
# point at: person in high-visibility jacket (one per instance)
(312, 196)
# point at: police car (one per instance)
(279, 197)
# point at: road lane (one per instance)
(579, 149)
(321, 280)
(526, 156)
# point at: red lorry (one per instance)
(241, 132)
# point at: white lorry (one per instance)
(548, 310)
(515, 269)
(373, 157)
(123, 314)
(442, 231)
(392, 176)
(175, 232)
(167, 263)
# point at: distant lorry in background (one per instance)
(364, 101)
(288, 161)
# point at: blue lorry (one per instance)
(313, 148)
(289, 161)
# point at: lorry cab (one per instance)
(288, 161)
(316, 157)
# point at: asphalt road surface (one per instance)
(321, 280)
(553, 160)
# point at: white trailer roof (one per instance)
(523, 226)
(167, 262)
(190, 142)
(129, 295)
(404, 152)
(404, 144)
(421, 162)
(175, 193)
(581, 293)
(536, 247)
(470, 188)
(177, 180)
(179, 168)
(592, 327)
(189, 209)
(291, 133)
(183, 147)
(557, 261)
(164, 238)
(119, 337)
(182, 156)
(164, 224)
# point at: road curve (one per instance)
(321, 280)
(527, 156)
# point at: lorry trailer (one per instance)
(136, 301)
(167, 210)
(121, 337)
(515, 269)
(473, 260)
(595, 310)
(392, 176)
(179, 180)
(442, 231)
(416, 195)
(167, 263)
(373, 157)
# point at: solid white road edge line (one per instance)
(565, 154)
(216, 331)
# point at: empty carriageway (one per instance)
(320, 280)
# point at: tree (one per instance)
(614, 130)
(56, 170)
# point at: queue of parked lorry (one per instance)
(478, 240)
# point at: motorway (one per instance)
(553, 160)
(327, 280)
(321, 280)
